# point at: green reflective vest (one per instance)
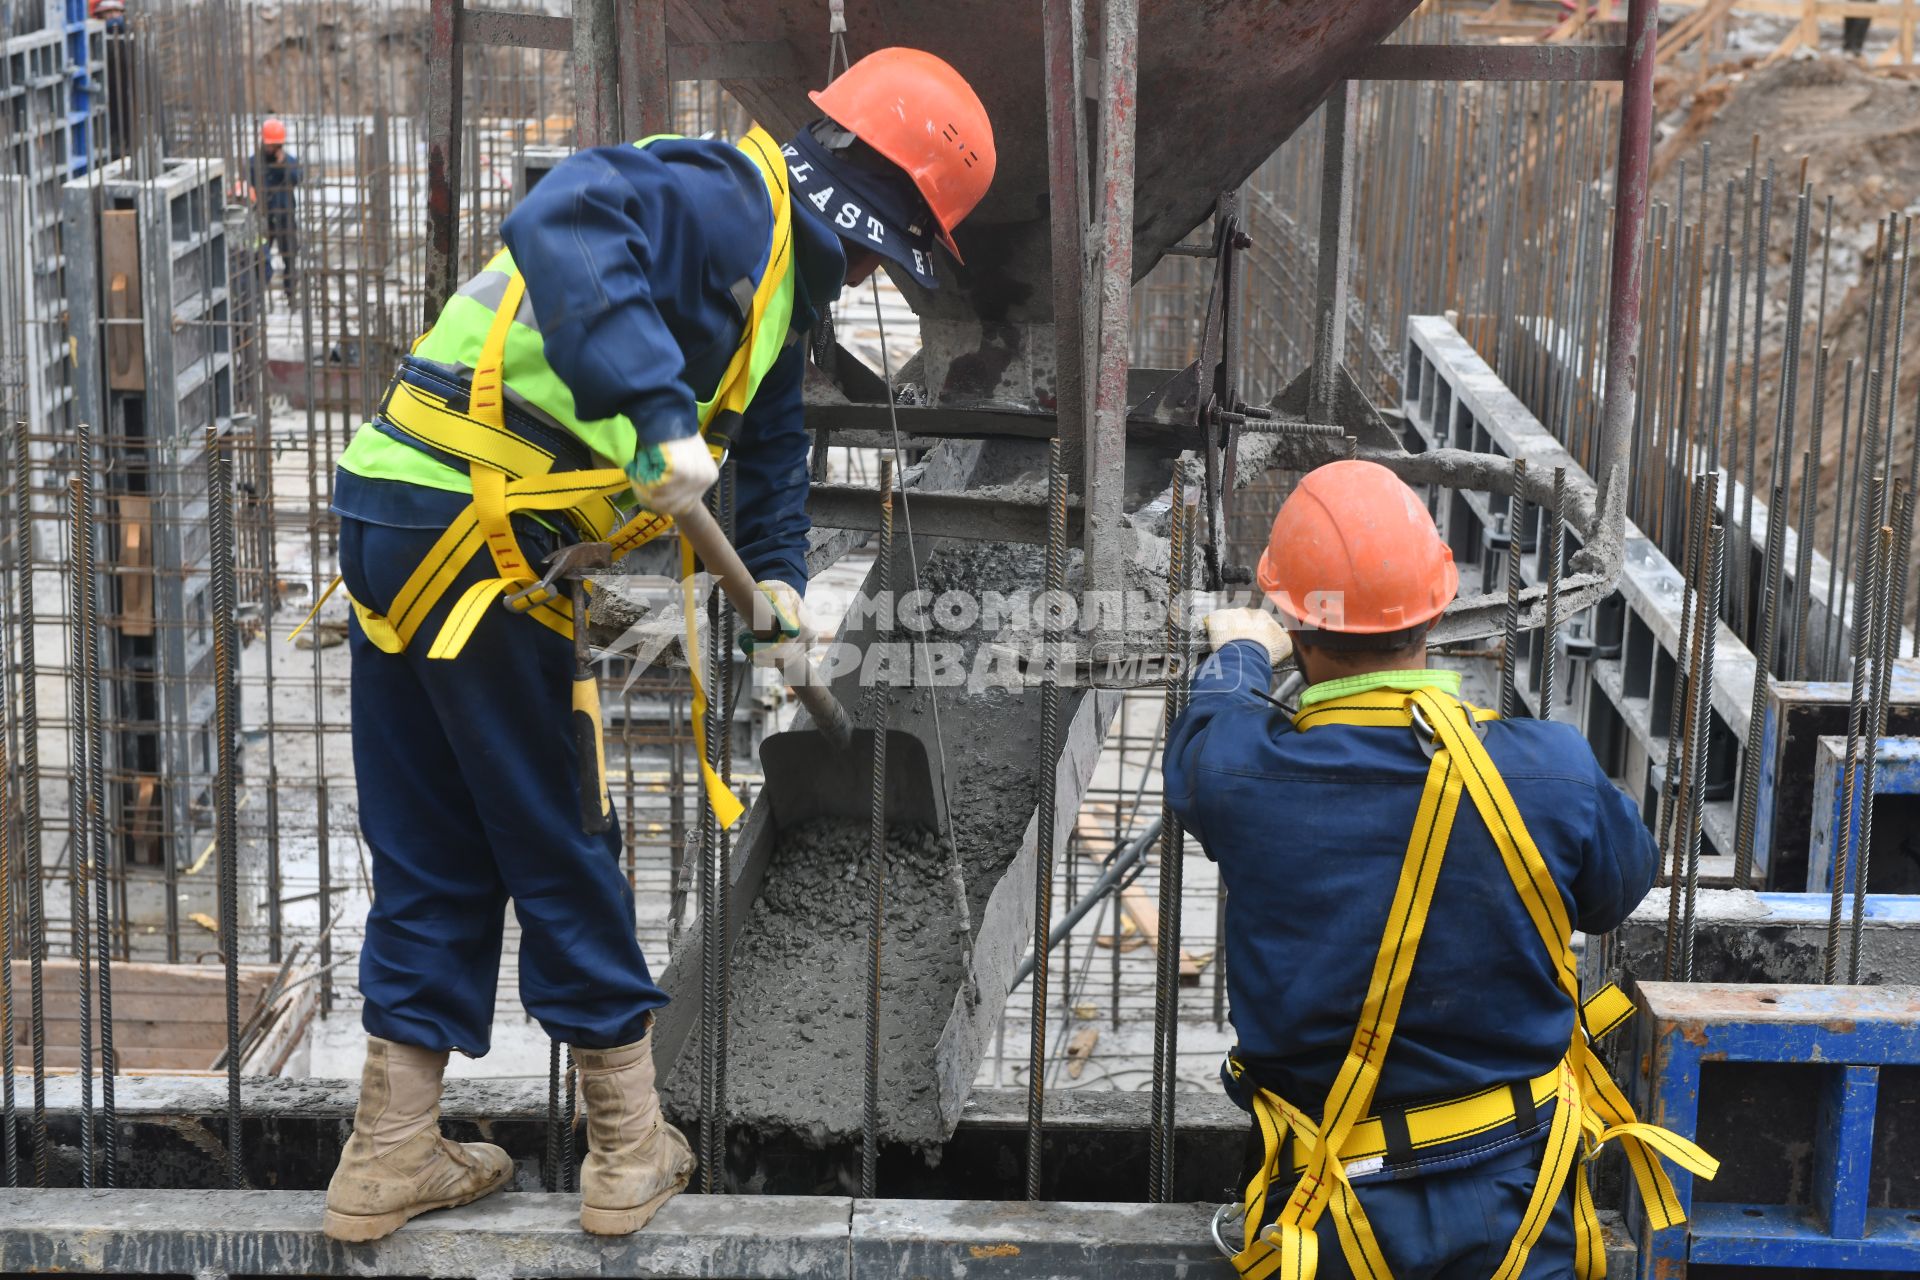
(460, 332)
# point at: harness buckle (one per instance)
(1221, 1216)
(1423, 730)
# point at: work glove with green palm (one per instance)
(672, 476)
(779, 631)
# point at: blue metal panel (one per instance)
(1763, 816)
(1843, 1149)
(1675, 1105)
(1896, 773)
(80, 91)
(1772, 1236)
(1855, 1029)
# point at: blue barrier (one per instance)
(1896, 773)
(1848, 1034)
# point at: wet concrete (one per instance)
(798, 1017)
(796, 1056)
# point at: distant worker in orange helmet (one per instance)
(1401, 982)
(645, 318)
(275, 173)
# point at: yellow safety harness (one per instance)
(512, 474)
(1589, 1108)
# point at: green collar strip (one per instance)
(1445, 681)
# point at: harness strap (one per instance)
(1590, 1109)
(1289, 1247)
(1611, 1115)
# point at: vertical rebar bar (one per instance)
(1048, 819)
(95, 791)
(550, 1175)
(568, 1108)
(1550, 621)
(30, 794)
(1701, 737)
(1882, 645)
(877, 696)
(226, 777)
(1680, 716)
(1747, 816)
(1166, 987)
(1510, 643)
(1847, 842)
(79, 895)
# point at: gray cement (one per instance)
(1749, 937)
(796, 1058)
(797, 1024)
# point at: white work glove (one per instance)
(673, 476)
(777, 607)
(1224, 626)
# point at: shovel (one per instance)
(824, 771)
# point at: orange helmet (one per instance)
(922, 115)
(273, 133)
(1354, 549)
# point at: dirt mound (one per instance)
(1858, 135)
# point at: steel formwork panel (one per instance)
(160, 659)
(1860, 1195)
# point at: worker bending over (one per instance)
(1403, 874)
(644, 318)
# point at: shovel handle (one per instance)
(710, 543)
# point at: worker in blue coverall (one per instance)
(1352, 829)
(276, 175)
(647, 312)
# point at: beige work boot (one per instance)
(637, 1161)
(396, 1164)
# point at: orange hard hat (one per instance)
(1354, 549)
(922, 115)
(273, 133)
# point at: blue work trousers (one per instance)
(1456, 1225)
(469, 789)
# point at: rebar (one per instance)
(1747, 817)
(30, 795)
(1048, 819)
(1846, 858)
(1681, 719)
(79, 877)
(96, 806)
(1881, 643)
(1701, 738)
(226, 777)
(1550, 619)
(877, 697)
(1899, 539)
(568, 1073)
(1510, 632)
(550, 1157)
(1166, 986)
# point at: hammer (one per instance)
(575, 561)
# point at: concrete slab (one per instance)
(1761, 937)
(896, 1239)
(278, 1232)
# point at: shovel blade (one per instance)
(808, 777)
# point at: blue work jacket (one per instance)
(630, 255)
(1310, 827)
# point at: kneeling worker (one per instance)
(645, 317)
(1404, 872)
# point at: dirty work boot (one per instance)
(396, 1164)
(637, 1161)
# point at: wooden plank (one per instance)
(120, 266)
(1079, 1049)
(135, 977)
(1145, 914)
